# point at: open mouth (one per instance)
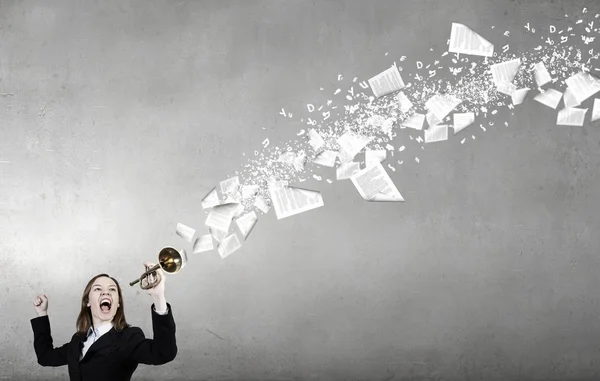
(105, 305)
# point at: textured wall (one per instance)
(117, 117)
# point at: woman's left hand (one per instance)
(157, 291)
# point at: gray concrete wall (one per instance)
(117, 117)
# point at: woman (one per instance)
(105, 347)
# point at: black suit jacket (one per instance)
(114, 356)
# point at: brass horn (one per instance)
(170, 260)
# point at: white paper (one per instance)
(571, 117)
(432, 120)
(300, 161)
(442, 105)
(261, 204)
(374, 184)
(464, 40)
(288, 201)
(583, 85)
(386, 82)
(436, 133)
(569, 98)
(351, 144)
(185, 232)
(220, 216)
(235, 197)
(541, 74)
(246, 223)
(518, 96)
(550, 98)
(506, 88)
(315, 140)
(228, 245)
(504, 73)
(415, 121)
(346, 170)
(462, 120)
(373, 157)
(249, 190)
(211, 199)
(596, 110)
(203, 243)
(403, 102)
(218, 235)
(230, 185)
(326, 158)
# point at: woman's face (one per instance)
(103, 300)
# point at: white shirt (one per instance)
(94, 333)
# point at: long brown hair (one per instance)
(84, 320)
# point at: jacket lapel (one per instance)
(104, 341)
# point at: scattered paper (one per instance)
(351, 144)
(185, 232)
(541, 74)
(230, 186)
(374, 184)
(218, 235)
(507, 88)
(550, 98)
(220, 216)
(432, 120)
(246, 223)
(288, 201)
(211, 199)
(315, 140)
(462, 120)
(404, 103)
(436, 133)
(203, 243)
(326, 158)
(518, 96)
(596, 110)
(373, 157)
(464, 40)
(571, 117)
(228, 245)
(442, 105)
(583, 85)
(261, 204)
(415, 121)
(504, 73)
(249, 190)
(346, 170)
(569, 98)
(386, 82)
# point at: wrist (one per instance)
(44, 313)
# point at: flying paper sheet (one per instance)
(220, 216)
(550, 98)
(249, 190)
(373, 157)
(218, 235)
(506, 88)
(432, 120)
(518, 96)
(504, 73)
(596, 110)
(374, 184)
(442, 105)
(462, 120)
(386, 82)
(571, 117)
(203, 243)
(230, 186)
(403, 102)
(315, 140)
(288, 201)
(351, 144)
(569, 98)
(346, 170)
(541, 74)
(464, 40)
(326, 158)
(185, 232)
(583, 85)
(261, 204)
(415, 121)
(228, 245)
(246, 223)
(436, 133)
(211, 199)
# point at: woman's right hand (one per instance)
(41, 305)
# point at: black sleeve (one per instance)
(157, 351)
(46, 354)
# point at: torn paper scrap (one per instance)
(249, 190)
(230, 185)
(571, 116)
(351, 144)
(442, 105)
(315, 140)
(549, 98)
(381, 122)
(583, 85)
(415, 121)
(185, 232)
(228, 245)
(507, 88)
(436, 133)
(346, 170)
(203, 243)
(432, 120)
(403, 102)
(288, 201)
(464, 40)
(261, 204)
(518, 96)
(218, 235)
(211, 199)
(374, 184)
(596, 110)
(326, 158)
(235, 197)
(541, 74)
(569, 98)
(220, 216)
(386, 82)
(505, 72)
(246, 223)
(373, 157)
(462, 120)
